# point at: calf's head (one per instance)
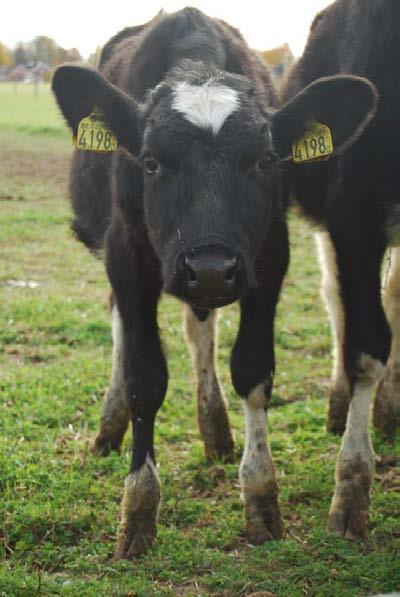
(210, 156)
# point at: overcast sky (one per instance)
(85, 24)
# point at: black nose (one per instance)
(209, 276)
(203, 273)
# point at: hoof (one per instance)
(338, 408)
(138, 527)
(348, 516)
(348, 521)
(138, 542)
(263, 519)
(104, 445)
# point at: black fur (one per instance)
(355, 195)
(139, 234)
(209, 191)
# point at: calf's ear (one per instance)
(78, 90)
(344, 103)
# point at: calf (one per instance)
(354, 199)
(191, 203)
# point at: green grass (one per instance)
(21, 110)
(59, 505)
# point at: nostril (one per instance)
(190, 273)
(231, 270)
(191, 276)
(230, 274)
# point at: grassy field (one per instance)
(59, 504)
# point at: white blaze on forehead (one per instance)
(206, 106)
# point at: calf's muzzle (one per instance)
(208, 276)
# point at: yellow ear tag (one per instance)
(94, 135)
(315, 145)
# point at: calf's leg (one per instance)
(137, 288)
(115, 418)
(387, 402)
(257, 472)
(366, 348)
(339, 396)
(349, 510)
(145, 385)
(211, 403)
(252, 368)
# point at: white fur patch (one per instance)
(117, 375)
(115, 417)
(202, 339)
(392, 302)
(330, 291)
(205, 106)
(256, 469)
(139, 484)
(203, 343)
(356, 442)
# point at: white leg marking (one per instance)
(117, 372)
(140, 504)
(211, 402)
(257, 473)
(115, 417)
(330, 290)
(355, 465)
(207, 105)
(387, 404)
(257, 468)
(202, 340)
(356, 444)
(391, 301)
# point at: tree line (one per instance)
(40, 49)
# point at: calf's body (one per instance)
(190, 203)
(354, 199)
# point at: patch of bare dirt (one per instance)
(17, 162)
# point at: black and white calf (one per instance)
(355, 200)
(191, 203)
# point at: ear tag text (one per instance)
(94, 134)
(315, 145)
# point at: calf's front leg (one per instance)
(137, 288)
(252, 369)
(349, 512)
(366, 348)
(387, 401)
(257, 472)
(115, 418)
(339, 395)
(145, 385)
(211, 403)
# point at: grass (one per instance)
(59, 507)
(21, 110)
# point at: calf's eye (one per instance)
(151, 165)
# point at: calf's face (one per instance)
(210, 157)
(210, 177)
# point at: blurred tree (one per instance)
(23, 54)
(5, 56)
(73, 55)
(45, 50)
